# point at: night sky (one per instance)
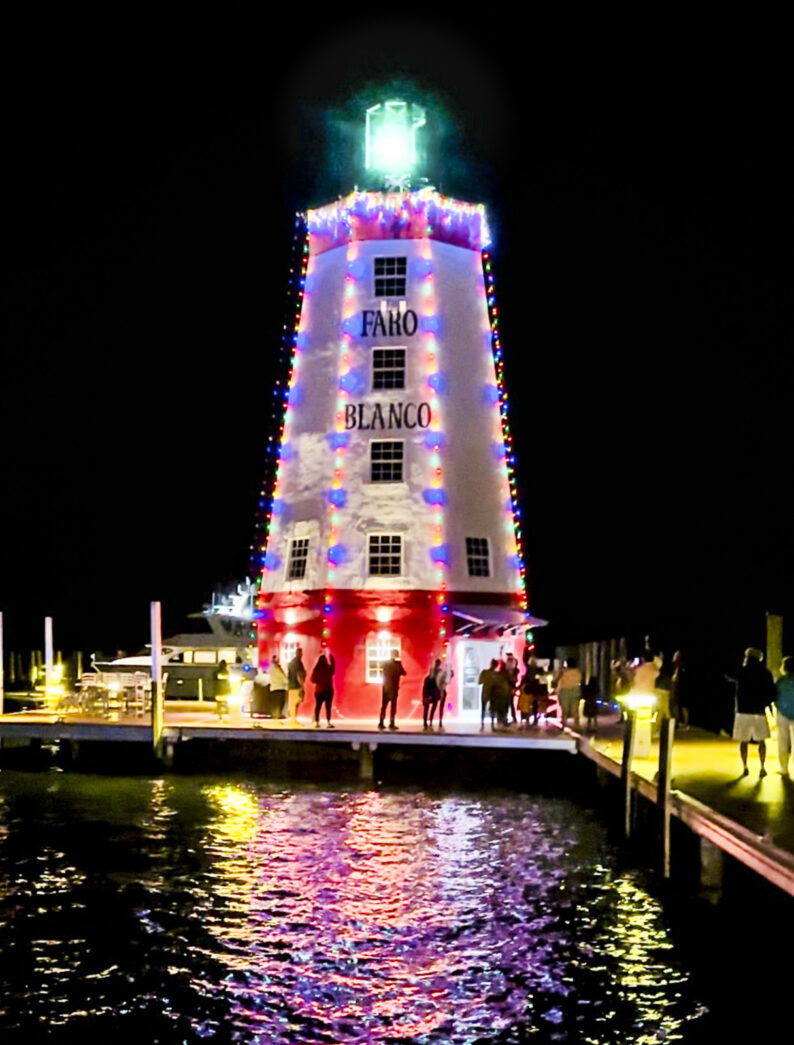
(642, 218)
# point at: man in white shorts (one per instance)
(755, 691)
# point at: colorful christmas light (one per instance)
(508, 459)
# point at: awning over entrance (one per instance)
(493, 616)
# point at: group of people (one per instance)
(434, 693)
(278, 694)
(756, 693)
(276, 691)
(507, 694)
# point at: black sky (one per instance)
(640, 197)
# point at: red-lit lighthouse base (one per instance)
(357, 622)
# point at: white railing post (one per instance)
(48, 666)
(157, 689)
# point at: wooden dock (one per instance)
(190, 725)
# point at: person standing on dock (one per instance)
(444, 675)
(323, 679)
(755, 691)
(680, 687)
(429, 696)
(784, 703)
(278, 688)
(487, 680)
(296, 677)
(512, 671)
(569, 691)
(501, 696)
(392, 673)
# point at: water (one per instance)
(192, 909)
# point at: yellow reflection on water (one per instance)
(635, 941)
(237, 812)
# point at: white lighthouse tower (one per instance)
(393, 523)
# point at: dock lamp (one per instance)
(391, 139)
(644, 704)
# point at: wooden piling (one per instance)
(712, 866)
(625, 770)
(666, 737)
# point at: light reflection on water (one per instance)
(195, 909)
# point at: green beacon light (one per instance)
(391, 139)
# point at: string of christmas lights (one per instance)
(398, 215)
(507, 438)
(262, 554)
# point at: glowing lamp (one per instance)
(383, 615)
(638, 701)
(391, 138)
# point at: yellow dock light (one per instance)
(644, 705)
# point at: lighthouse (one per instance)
(393, 522)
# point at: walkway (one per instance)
(708, 768)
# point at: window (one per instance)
(388, 368)
(386, 461)
(379, 650)
(204, 656)
(477, 557)
(289, 647)
(298, 557)
(390, 277)
(385, 554)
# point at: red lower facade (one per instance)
(362, 629)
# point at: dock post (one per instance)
(774, 642)
(625, 769)
(157, 687)
(666, 736)
(47, 657)
(366, 762)
(712, 864)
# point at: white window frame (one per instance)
(392, 535)
(393, 276)
(390, 348)
(288, 649)
(293, 541)
(478, 557)
(379, 649)
(395, 442)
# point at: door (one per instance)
(473, 656)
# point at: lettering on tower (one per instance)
(388, 323)
(383, 416)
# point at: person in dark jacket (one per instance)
(755, 691)
(487, 680)
(392, 673)
(296, 677)
(501, 695)
(430, 696)
(323, 679)
(784, 702)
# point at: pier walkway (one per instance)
(188, 724)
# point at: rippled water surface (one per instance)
(192, 909)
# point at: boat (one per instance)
(190, 658)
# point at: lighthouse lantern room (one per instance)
(393, 523)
